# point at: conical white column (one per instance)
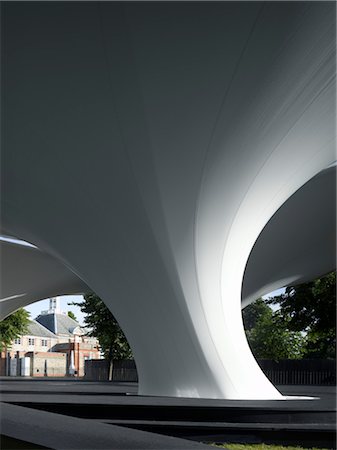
(148, 144)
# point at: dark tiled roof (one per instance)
(58, 323)
(36, 329)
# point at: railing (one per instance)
(287, 371)
(300, 371)
(125, 370)
(96, 369)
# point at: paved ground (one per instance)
(55, 431)
(76, 414)
(89, 392)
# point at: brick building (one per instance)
(54, 345)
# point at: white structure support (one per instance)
(147, 146)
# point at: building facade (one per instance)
(54, 345)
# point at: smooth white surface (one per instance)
(29, 275)
(298, 244)
(147, 146)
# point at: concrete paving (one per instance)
(48, 390)
(60, 432)
(113, 413)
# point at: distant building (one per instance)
(62, 325)
(37, 339)
(54, 345)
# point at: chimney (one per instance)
(55, 323)
(54, 305)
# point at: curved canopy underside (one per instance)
(29, 275)
(148, 145)
(281, 255)
(298, 244)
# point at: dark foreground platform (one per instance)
(25, 428)
(112, 415)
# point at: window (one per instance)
(17, 341)
(31, 341)
(44, 342)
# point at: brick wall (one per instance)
(48, 364)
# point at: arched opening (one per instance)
(28, 277)
(292, 334)
(295, 252)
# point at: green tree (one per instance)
(253, 312)
(71, 315)
(311, 307)
(268, 333)
(13, 327)
(105, 328)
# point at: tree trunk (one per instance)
(110, 363)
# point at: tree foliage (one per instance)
(311, 307)
(104, 327)
(71, 315)
(268, 333)
(254, 312)
(13, 327)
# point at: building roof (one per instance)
(60, 324)
(36, 329)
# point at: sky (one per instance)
(274, 294)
